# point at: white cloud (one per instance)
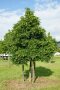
(7, 19)
(50, 18)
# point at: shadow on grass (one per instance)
(42, 71)
(39, 72)
(52, 61)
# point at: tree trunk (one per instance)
(34, 69)
(30, 72)
(23, 78)
(34, 65)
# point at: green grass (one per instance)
(50, 70)
(8, 71)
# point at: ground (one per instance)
(47, 76)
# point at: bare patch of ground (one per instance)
(41, 82)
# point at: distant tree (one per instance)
(29, 42)
(2, 47)
(8, 41)
(58, 46)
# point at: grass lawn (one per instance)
(48, 76)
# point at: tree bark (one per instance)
(34, 69)
(33, 72)
(34, 65)
(23, 78)
(30, 72)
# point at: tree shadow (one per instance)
(52, 61)
(40, 72)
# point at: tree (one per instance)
(29, 42)
(58, 46)
(2, 47)
(8, 41)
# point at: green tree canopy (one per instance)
(29, 40)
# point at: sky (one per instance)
(48, 12)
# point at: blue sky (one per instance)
(47, 10)
(16, 4)
(21, 4)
